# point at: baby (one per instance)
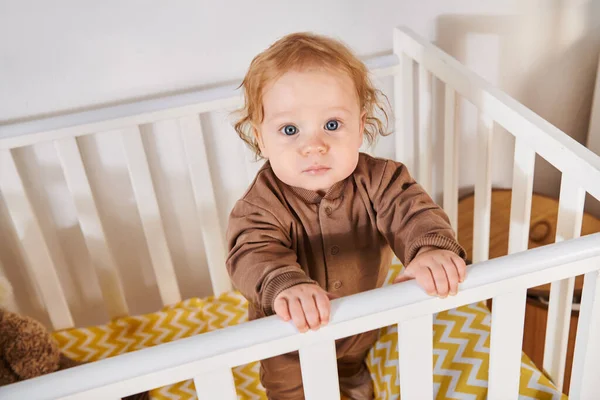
(321, 219)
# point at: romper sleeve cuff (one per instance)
(280, 283)
(439, 241)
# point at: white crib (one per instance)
(208, 358)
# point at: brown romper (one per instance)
(280, 236)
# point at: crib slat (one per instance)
(568, 226)
(483, 190)
(450, 158)
(318, 363)
(404, 108)
(218, 384)
(586, 359)
(425, 123)
(508, 317)
(91, 226)
(522, 194)
(506, 341)
(32, 242)
(143, 188)
(415, 351)
(204, 195)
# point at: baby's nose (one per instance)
(314, 146)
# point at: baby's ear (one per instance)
(258, 137)
(363, 122)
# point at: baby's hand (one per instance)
(307, 305)
(437, 271)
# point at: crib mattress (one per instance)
(460, 346)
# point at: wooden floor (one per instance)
(544, 211)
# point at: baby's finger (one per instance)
(310, 312)
(440, 279)
(408, 273)
(332, 296)
(461, 267)
(281, 308)
(403, 277)
(425, 280)
(298, 315)
(324, 307)
(452, 274)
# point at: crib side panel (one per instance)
(109, 226)
(580, 174)
(31, 241)
(135, 216)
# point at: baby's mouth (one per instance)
(316, 169)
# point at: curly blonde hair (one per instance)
(295, 52)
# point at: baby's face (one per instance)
(312, 128)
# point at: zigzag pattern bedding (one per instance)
(461, 349)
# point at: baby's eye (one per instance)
(289, 130)
(332, 125)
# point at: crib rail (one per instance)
(208, 358)
(24, 133)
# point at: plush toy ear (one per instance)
(7, 298)
(31, 352)
(5, 291)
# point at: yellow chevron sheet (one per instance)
(461, 349)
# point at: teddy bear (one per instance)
(27, 349)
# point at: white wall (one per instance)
(68, 55)
(71, 55)
(593, 140)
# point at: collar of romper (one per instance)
(311, 196)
